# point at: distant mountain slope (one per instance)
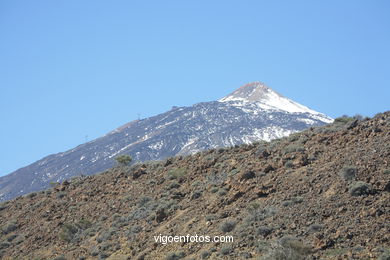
(253, 112)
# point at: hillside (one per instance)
(323, 193)
(251, 113)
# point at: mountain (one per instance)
(323, 193)
(251, 113)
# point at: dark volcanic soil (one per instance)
(320, 194)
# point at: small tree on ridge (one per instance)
(123, 160)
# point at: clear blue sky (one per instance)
(73, 68)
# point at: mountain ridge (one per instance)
(179, 131)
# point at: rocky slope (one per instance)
(323, 193)
(251, 113)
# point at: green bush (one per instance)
(227, 226)
(293, 148)
(173, 185)
(360, 188)
(144, 200)
(9, 227)
(289, 164)
(348, 173)
(385, 255)
(264, 231)
(287, 248)
(253, 206)
(214, 189)
(176, 173)
(3, 205)
(175, 255)
(226, 250)
(123, 160)
(259, 214)
(31, 195)
(84, 224)
(196, 183)
(315, 228)
(68, 232)
(61, 194)
(211, 217)
(222, 192)
(4, 245)
(205, 254)
(343, 119)
(60, 257)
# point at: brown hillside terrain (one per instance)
(319, 194)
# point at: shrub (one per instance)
(260, 214)
(360, 188)
(176, 173)
(173, 185)
(68, 232)
(214, 189)
(289, 164)
(293, 200)
(53, 183)
(297, 199)
(4, 245)
(228, 226)
(9, 227)
(84, 224)
(264, 231)
(211, 217)
(11, 237)
(248, 175)
(61, 194)
(216, 179)
(343, 119)
(106, 235)
(3, 205)
(123, 160)
(95, 251)
(60, 257)
(205, 254)
(385, 255)
(143, 201)
(226, 250)
(315, 228)
(233, 172)
(348, 173)
(175, 255)
(294, 148)
(222, 192)
(31, 195)
(287, 248)
(253, 206)
(135, 229)
(104, 255)
(196, 183)
(105, 246)
(196, 194)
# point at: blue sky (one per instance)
(74, 68)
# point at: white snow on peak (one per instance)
(268, 99)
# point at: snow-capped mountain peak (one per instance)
(251, 92)
(251, 113)
(268, 99)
